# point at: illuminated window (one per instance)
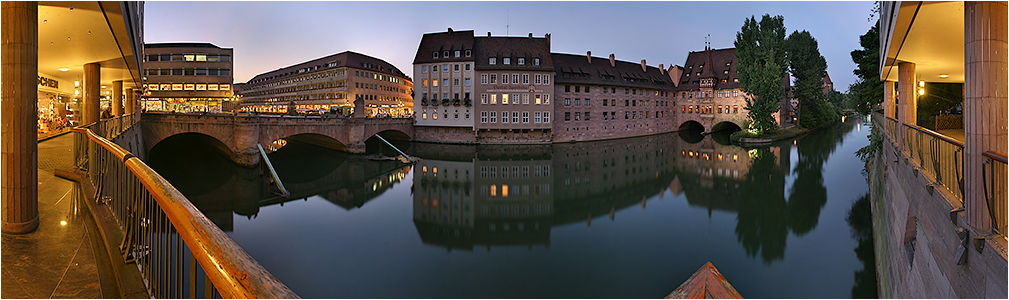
(483, 98)
(504, 98)
(493, 190)
(493, 98)
(493, 78)
(546, 99)
(525, 98)
(504, 190)
(434, 82)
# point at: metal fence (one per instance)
(993, 173)
(177, 249)
(936, 155)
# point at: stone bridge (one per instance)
(711, 120)
(240, 134)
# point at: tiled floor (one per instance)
(57, 259)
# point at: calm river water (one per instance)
(628, 218)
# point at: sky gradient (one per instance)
(270, 35)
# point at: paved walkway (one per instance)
(57, 260)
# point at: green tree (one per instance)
(867, 91)
(808, 67)
(761, 49)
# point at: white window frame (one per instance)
(506, 60)
(493, 117)
(504, 117)
(538, 79)
(483, 117)
(546, 117)
(537, 117)
(525, 78)
(483, 98)
(546, 79)
(423, 69)
(483, 78)
(525, 117)
(521, 61)
(492, 61)
(515, 117)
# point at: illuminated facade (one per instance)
(187, 77)
(332, 83)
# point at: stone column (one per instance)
(117, 98)
(907, 105)
(889, 100)
(19, 116)
(91, 108)
(131, 101)
(985, 101)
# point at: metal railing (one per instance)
(163, 230)
(993, 175)
(936, 155)
(890, 126)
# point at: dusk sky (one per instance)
(270, 35)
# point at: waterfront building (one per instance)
(939, 197)
(445, 72)
(514, 88)
(709, 90)
(187, 77)
(333, 82)
(605, 99)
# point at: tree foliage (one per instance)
(760, 50)
(868, 89)
(809, 68)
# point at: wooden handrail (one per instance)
(234, 273)
(935, 135)
(995, 155)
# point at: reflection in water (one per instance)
(860, 219)
(558, 203)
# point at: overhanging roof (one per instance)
(928, 34)
(90, 32)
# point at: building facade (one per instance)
(445, 72)
(333, 82)
(515, 88)
(187, 77)
(600, 98)
(709, 91)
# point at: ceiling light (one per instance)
(45, 21)
(103, 86)
(77, 83)
(943, 75)
(921, 83)
(64, 69)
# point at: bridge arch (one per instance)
(726, 125)
(316, 139)
(397, 138)
(691, 125)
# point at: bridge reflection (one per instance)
(220, 188)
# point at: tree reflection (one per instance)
(761, 222)
(860, 219)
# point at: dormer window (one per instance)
(492, 61)
(445, 54)
(725, 72)
(522, 61)
(506, 60)
(435, 54)
(536, 61)
(469, 53)
(456, 53)
(736, 80)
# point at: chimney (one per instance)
(613, 61)
(548, 38)
(530, 35)
(662, 69)
(488, 34)
(450, 30)
(643, 67)
(588, 54)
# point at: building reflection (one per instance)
(482, 196)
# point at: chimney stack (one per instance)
(588, 54)
(548, 38)
(643, 67)
(450, 30)
(613, 60)
(488, 34)
(530, 35)
(662, 69)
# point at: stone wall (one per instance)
(916, 241)
(449, 135)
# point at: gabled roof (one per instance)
(343, 59)
(576, 69)
(720, 61)
(441, 42)
(513, 48)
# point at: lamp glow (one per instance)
(64, 69)
(943, 75)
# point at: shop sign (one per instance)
(225, 87)
(49, 82)
(201, 86)
(176, 86)
(212, 87)
(190, 86)
(153, 86)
